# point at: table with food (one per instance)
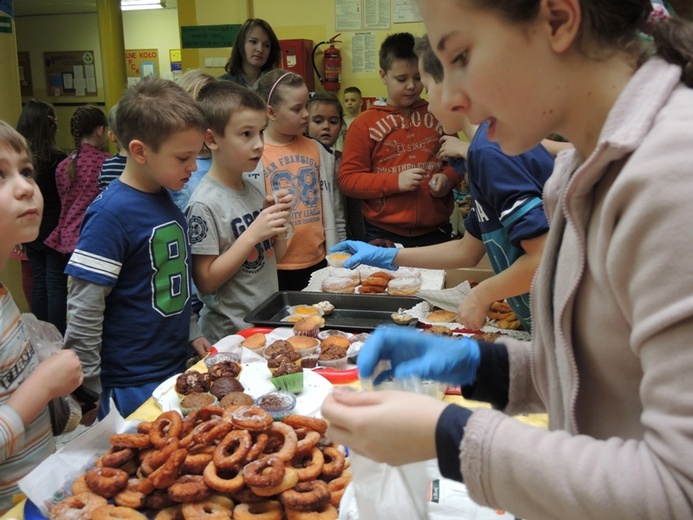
(239, 434)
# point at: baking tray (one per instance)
(352, 312)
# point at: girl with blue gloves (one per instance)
(610, 358)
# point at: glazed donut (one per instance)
(334, 462)
(265, 510)
(166, 474)
(156, 458)
(217, 429)
(216, 507)
(326, 513)
(303, 421)
(189, 488)
(139, 441)
(288, 446)
(209, 411)
(255, 473)
(106, 481)
(404, 286)
(290, 479)
(337, 487)
(309, 467)
(199, 433)
(258, 447)
(116, 457)
(306, 496)
(166, 426)
(77, 507)
(251, 418)
(111, 512)
(220, 482)
(241, 441)
(80, 486)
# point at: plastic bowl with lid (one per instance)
(278, 404)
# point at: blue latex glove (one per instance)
(362, 253)
(412, 353)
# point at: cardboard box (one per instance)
(482, 271)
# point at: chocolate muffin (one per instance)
(224, 369)
(277, 346)
(282, 358)
(288, 368)
(192, 381)
(225, 385)
(332, 352)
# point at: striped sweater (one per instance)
(20, 449)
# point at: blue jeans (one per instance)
(49, 297)
(127, 399)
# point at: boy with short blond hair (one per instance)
(129, 306)
(390, 158)
(233, 225)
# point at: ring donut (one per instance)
(258, 447)
(256, 473)
(189, 488)
(241, 441)
(116, 457)
(326, 513)
(222, 483)
(166, 475)
(111, 512)
(251, 418)
(303, 421)
(216, 507)
(309, 467)
(139, 441)
(106, 481)
(166, 426)
(78, 506)
(306, 496)
(337, 487)
(290, 479)
(265, 510)
(288, 446)
(334, 462)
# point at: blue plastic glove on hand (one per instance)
(362, 253)
(412, 353)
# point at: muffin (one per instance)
(288, 377)
(236, 399)
(333, 356)
(278, 404)
(304, 345)
(283, 358)
(309, 326)
(309, 361)
(224, 369)
(224, 385)
(192, 381)
(256, 343)
(195, 401)
(340, 341)
(277, 346)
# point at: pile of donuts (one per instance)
(371, 280)
(504, 316)
(217, 463)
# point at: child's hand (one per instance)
(60, 374)
(451, 146)
(472, 312)
(439, 185)
(409, 180)
(270, 222)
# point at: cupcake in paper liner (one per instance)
(195, 401)
(333, 356)
(309, 326)
(304, 345)
(192, 381)
(288, 377)
(283, 358)
(276, 347)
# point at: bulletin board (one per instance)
(141, 63)
(25, 83)
(70, 73)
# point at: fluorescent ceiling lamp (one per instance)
(133, 5)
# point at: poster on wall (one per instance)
(377, 14)
(348, 15)
(363, 52)
(25, 84)
(406, 11)
(70, 73)
(140, 63)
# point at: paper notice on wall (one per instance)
(348, 15)
(376, 14)
(363, 52)
(406, 11)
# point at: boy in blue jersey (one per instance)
(233, 240)
(507, 220)
(129, 306)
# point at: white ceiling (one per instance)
(42, 7)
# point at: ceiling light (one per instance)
(133, 5)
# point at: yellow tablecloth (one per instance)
(150, 410)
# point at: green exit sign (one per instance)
(208, 36)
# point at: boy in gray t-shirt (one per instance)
(234, 242)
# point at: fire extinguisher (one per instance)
(331, 64)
